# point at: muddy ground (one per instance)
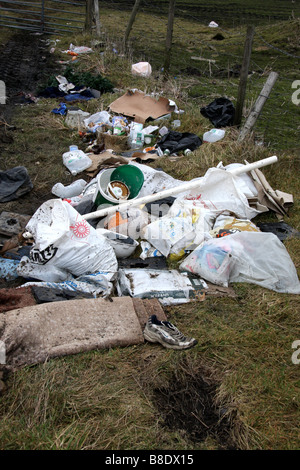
(25, 62)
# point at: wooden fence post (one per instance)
(131, 21)
(244, 76)
(168, 48)
(97, 18)
(256, 110)
(88, 15)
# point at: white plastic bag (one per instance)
(255, 257)
(168, 232)
(96, 120)
(65, 240)
(143, 69)
(212, 261)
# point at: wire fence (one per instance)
(209, 60)
(43, 16)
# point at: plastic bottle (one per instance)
(76, 160)
(213, 135)
(74, 189)
(187, 152)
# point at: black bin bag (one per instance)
(179, 141)
(220, 112)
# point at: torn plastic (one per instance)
(281, 229)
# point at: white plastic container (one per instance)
(74, 189)
(136, 137)
(213, 135)
(76, 160)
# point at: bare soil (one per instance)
(25, 62)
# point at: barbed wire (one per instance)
(277, 48)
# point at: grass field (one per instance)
(238, 388)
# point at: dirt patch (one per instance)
(25, 62)
(11, 298)
(189, 404)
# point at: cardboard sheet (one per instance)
(139, 107)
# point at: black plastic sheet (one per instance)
(179, 141)
(220, 112)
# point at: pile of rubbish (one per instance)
(113, 233)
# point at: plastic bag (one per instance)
(179, 141)
(244, 181)
(155, 180)
(219, 192)
(96, 120)
(255, 257)
(211, 261)
(143, 69)
(66, 241)
(220, 112)
(225, 225)
(167, 232)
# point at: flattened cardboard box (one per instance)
(139, 107)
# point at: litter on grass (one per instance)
(113, 233)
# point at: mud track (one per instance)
(24, 63)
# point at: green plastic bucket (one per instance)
(130, 175)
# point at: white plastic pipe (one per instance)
(176, 190)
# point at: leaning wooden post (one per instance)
(131, 21)
(244, 76)
(167, 61)
(257, 108)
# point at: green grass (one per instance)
(108, 399)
